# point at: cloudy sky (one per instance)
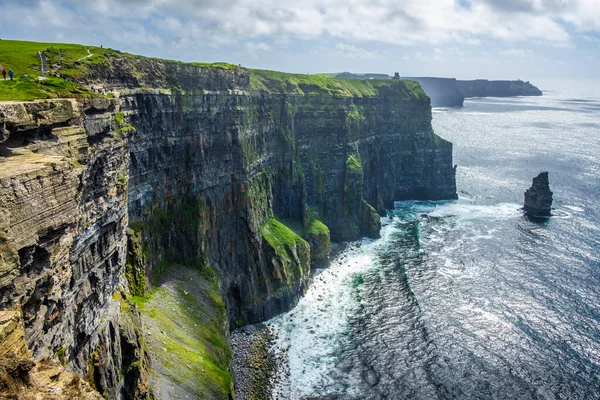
(512, 39)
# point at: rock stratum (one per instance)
(235, 179)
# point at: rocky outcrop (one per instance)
(485, 88)
(22, 378)
(538, 198)
(198, 166)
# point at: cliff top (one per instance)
(40, 68)
(319, 84)
(54, 70)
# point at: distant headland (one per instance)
(450, 92)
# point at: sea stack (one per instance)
(538, 198)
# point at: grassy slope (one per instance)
(22, 57)
(185, 329)
(71, 60)
(323, 84)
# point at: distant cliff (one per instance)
(443, 92)
(485, 88)
(450, 92)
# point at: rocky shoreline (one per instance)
(252, 363)
(260, 370)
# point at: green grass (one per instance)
(416, 89)
(324, 84)
(353, 163)
(26, 89)
(280, 237)
(292, 250)
(354, 114)
(281, 82)
(22, 57)
(221, 65)
(315, 227)
(193, 351)
(72, 60)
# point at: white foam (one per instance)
(575, 208)
(319, 322)
(472, 211)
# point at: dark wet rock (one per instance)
(252, 364)
(538, 198)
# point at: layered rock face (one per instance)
(63, 202)
(538, 198)
(208, 171)
(22, 378)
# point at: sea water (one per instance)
(469, 299)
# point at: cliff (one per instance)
(485, 88)
(444, 92)
(449, 92)
(195, 173)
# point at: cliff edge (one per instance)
(240, 176)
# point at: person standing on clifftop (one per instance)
(11, 74)
(4, 73)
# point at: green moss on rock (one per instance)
(353, 163)
(135, 269)
(292, 250)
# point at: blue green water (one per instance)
(469, 299)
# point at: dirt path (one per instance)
(86, 57)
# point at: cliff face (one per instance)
(444, 92)
(208, 174)
(63, 202)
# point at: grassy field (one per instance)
(322, 84)
(27, 88)
(22, 57)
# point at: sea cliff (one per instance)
(231, 178)
(450, 92)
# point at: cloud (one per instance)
(408, 22)
(515, 52)
(351, 51)
(346, 51)
(254, 47)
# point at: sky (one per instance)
(466, 39)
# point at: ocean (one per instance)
(469, 299)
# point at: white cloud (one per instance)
(254, 47)
(515, 52)
(408, 22)
(351, 51)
